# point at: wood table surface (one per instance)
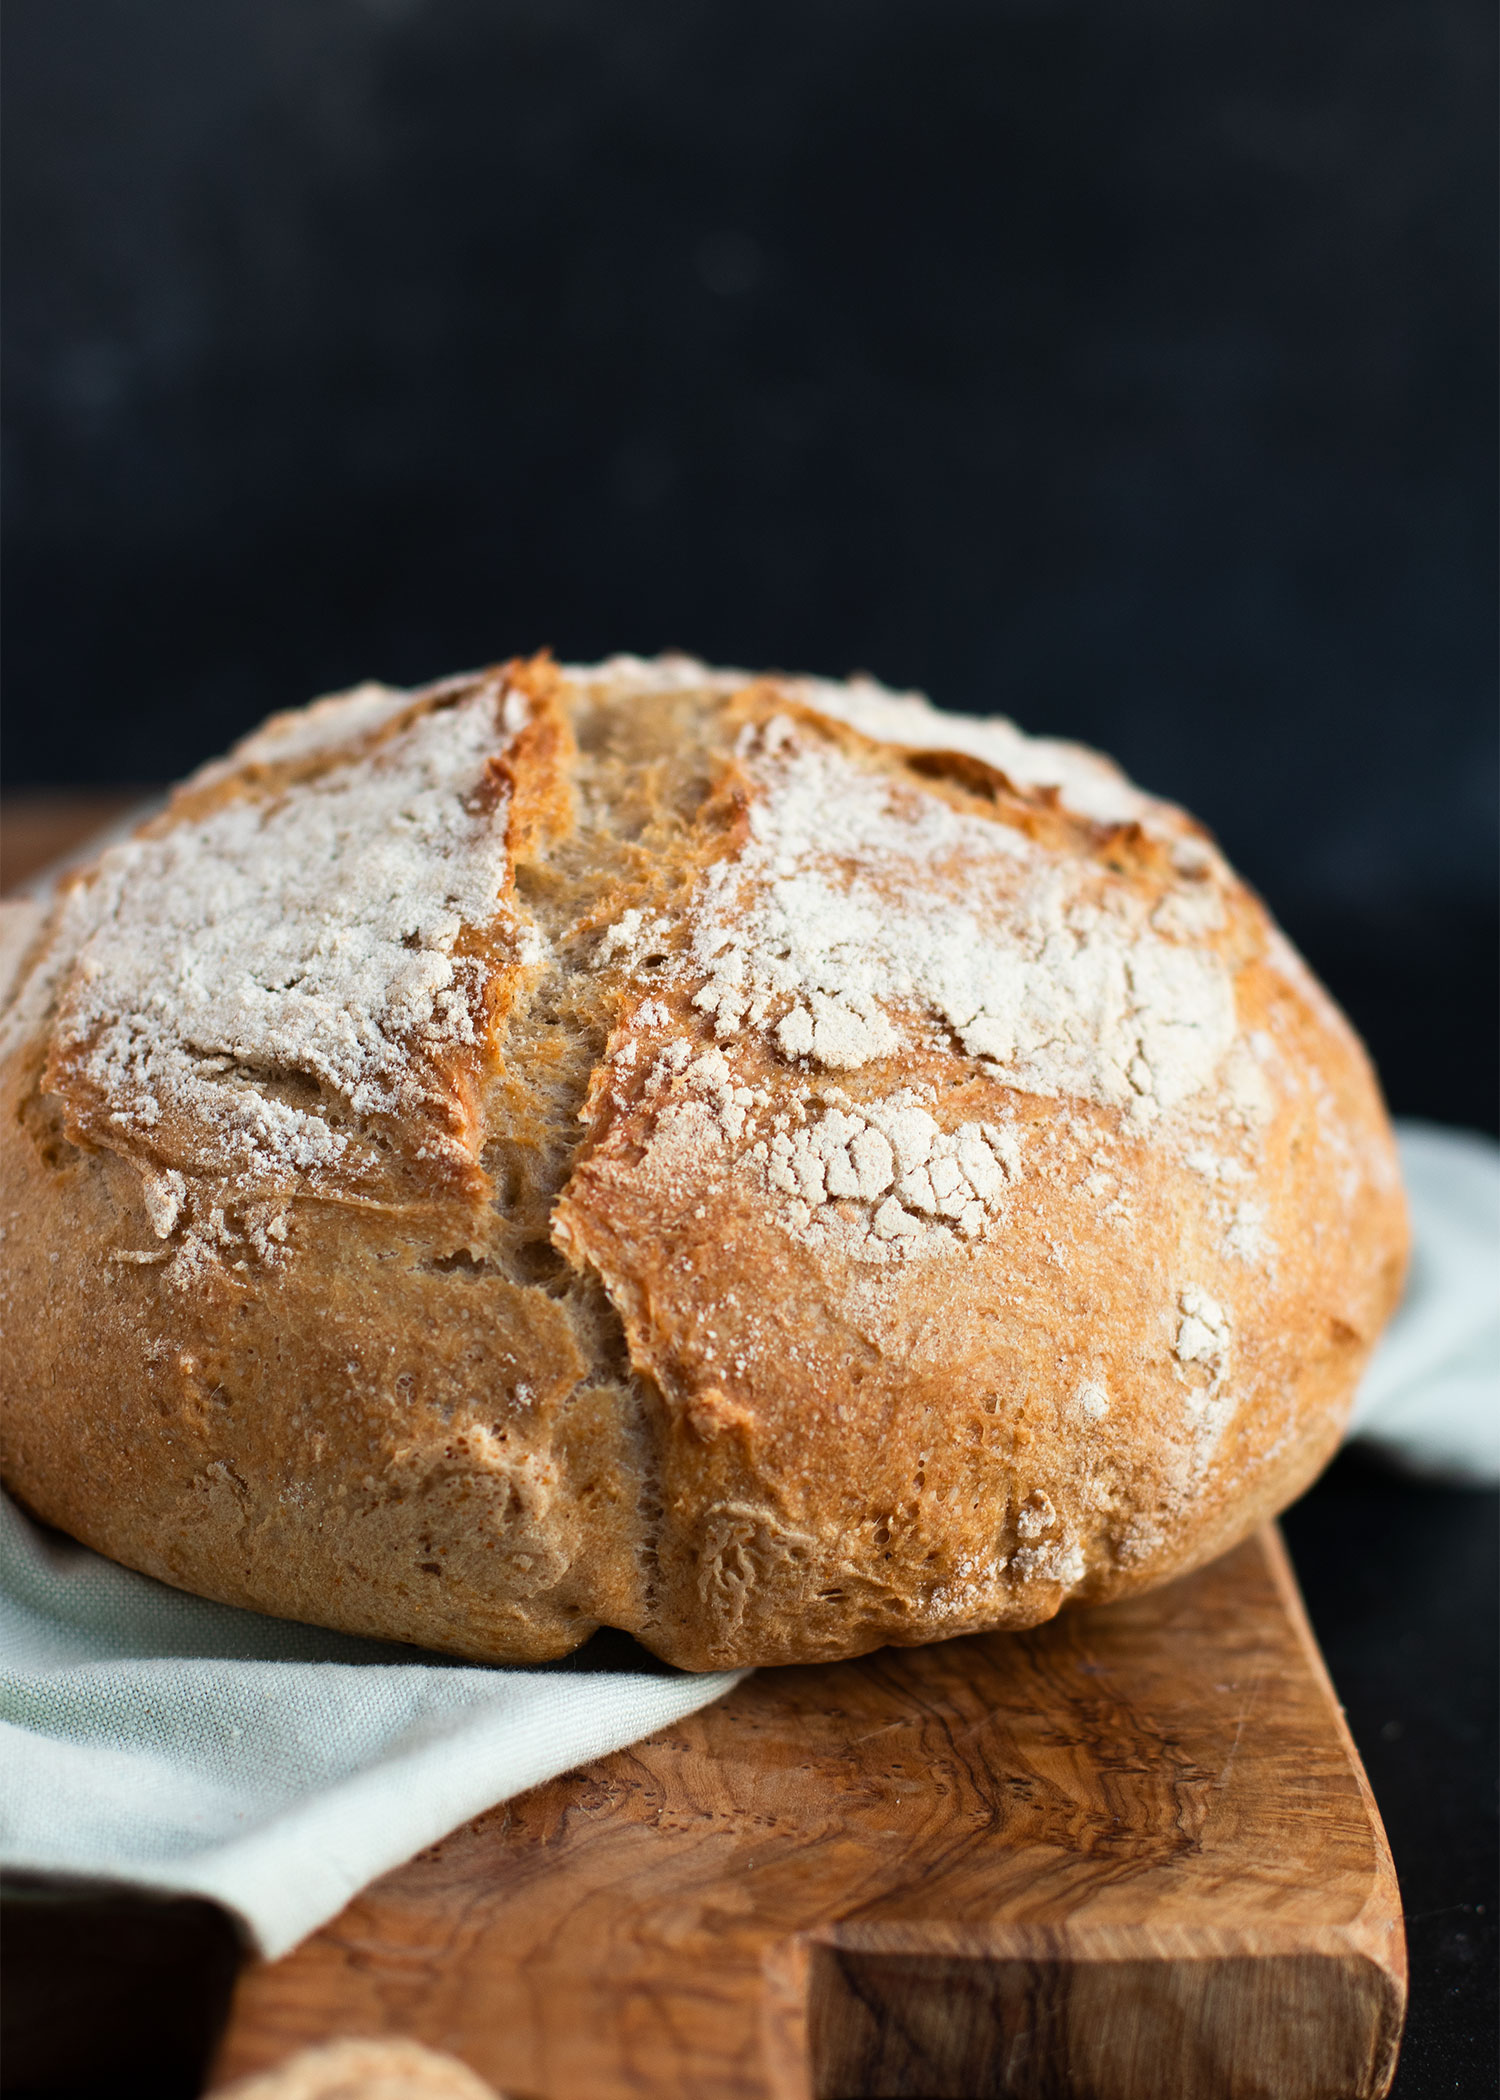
(1128, 1856)
(41, 825)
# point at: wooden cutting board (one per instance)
(1129, 1856)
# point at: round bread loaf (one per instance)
(756, 1162)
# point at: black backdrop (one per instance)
(1124, 369)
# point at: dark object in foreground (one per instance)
(1402, 1580)
(111, 1990)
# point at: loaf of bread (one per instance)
(756, 1162)
(365, 2070)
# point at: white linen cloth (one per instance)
(157, 1739)
(153, 1738)
(1431, 1397)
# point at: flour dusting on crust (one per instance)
(262, 982)
(307, 732)
(865, 916)
(875, 1181)
(1088, 783)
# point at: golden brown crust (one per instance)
(825, 1174)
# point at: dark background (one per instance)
(1126, 369)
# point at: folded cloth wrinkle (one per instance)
(160, 1740)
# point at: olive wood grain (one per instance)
(1129, 1855)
